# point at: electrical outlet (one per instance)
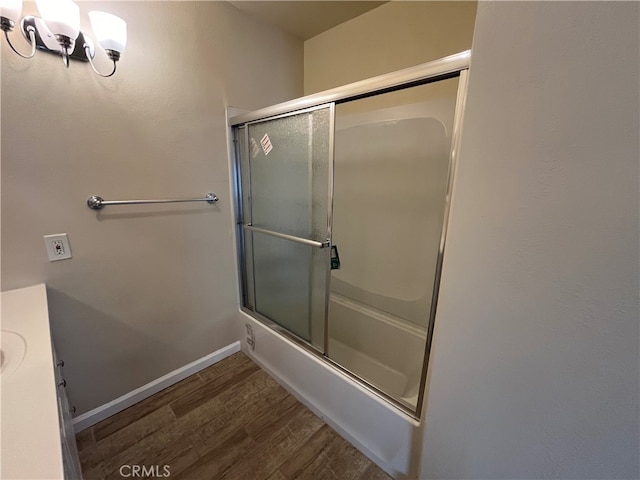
(57, 247)
(251, 338)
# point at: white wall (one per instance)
(149, 288)
(535, 366)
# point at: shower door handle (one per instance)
(293, 238)
(335, 258)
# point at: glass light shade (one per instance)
(61, 16)
(111, 31)
(11, 9)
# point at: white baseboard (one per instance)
(94, 416)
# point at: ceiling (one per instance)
(305, 19)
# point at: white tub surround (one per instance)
(378, 347)
(31, 447)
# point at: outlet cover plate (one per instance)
(57, 246)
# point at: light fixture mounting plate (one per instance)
(46, 41)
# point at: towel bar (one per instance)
(96, 203)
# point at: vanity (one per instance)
(38, 440)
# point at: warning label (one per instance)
(266, 144)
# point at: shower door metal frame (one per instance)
(243, 226)
(448, 67)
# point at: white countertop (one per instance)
(29, 413)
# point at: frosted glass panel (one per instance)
(290, 282)
(284, 171)
(282, 281)
(289, 174)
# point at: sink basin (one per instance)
(12, 352)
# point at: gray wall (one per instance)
(535, 366)
(149, 288)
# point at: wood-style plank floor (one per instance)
(229, 421)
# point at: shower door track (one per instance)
(452, 66)
(441, 69)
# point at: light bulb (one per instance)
(111, 31)
(61, 16)
(11, 9)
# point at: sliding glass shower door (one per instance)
(343, 211)
(286, 165)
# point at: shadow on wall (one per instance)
(101, 216)
(91, 334)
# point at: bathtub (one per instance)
(383, 350)
(378, 429)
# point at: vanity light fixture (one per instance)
(58, 31)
